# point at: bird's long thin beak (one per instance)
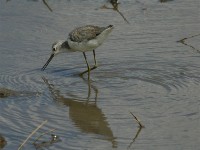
(48, 61)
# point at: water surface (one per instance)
(142, 69)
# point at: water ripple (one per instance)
(171, 78)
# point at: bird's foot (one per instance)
(82, 73)
(94, 67)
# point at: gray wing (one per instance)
(85, 33)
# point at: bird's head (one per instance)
(57, 47)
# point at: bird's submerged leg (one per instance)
(95, 62)
(88, 70)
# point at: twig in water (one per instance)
(137, 120)
(33, 132)
(122, 16)
(115, 8)
(186, 38)
(44, 1)
(136, 135)
(138, 131)
(183, 41)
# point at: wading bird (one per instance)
(81, 39)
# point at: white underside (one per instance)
(83, 46)
(91, 44)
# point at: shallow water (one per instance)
(142, 69)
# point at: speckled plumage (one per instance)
(85, 33)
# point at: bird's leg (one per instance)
(95, 62)
(89, 69)
(87, 66)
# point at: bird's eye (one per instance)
(54, 49)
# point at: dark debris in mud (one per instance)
(2, 142)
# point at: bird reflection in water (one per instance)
(115, 4)
(85, 113)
